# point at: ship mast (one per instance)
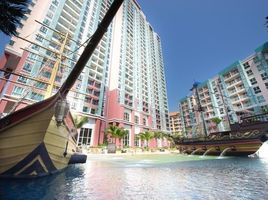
(54, 71)
(55, 68)
(199, 108)
(224, 105)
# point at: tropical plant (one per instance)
(140, 136)
(147, 136)
(12, 11)
(266, 23)
(121, 134)
(169, 138)
(113, 132)
(265, 109)
(158, 135)
(173, 138)
(79, 121)
(216, 120)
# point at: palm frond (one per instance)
(12, 11)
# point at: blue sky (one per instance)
(202, 37)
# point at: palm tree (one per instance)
(147, 135)
(121, 134)
(172, 138)
(141, 137)
(158, 135)
(80, 121)
(12, 11)
(113, 131)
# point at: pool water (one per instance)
(166, 176)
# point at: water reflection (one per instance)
(153, 177)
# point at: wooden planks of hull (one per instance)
(21, 139)
(56, 140)
(234, 148)
(36, 146)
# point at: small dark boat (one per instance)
(243, 139)
(39, 139)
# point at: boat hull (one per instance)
(243, 147)
(242, 140)
(36, 146)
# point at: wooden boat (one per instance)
(38, 139)
(244, 138)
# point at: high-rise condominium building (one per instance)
(239, 90)
(122, 84)
(175, 123)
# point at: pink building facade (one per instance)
(123, 83)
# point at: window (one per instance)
(126, 139)
(43, 29)
(238, 105)
(11, 42)
(36, 96)
(27, 67)
(46, 74)
(126, 116)
(246, 65)
(46, 21)
(260, 99)
(88, 99)
(144, 121)
(78, 86)
(253, 81)
(41, 85)
(35, 47)
(264, 76)
(50, 15)
(136, 119)
(55, 2)
(249, 72)
(32, 56)
(260, 67)
(95, 102)
(266, 85)
(52, 8)
(73, 106)
(255, 59)
(85, 109)
(58, 79)
(136, 141)
(17, 91)
(257, 90)
(22, 79)
(84, 137)
(39, 38)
